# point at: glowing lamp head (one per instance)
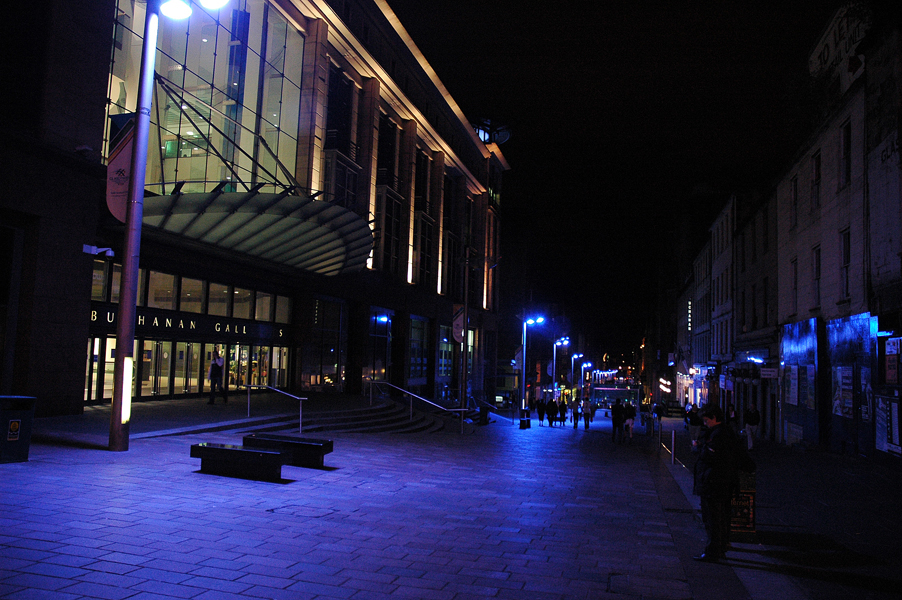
(176, 10)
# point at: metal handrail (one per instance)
(374, 382)
(298, 398)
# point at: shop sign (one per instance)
(769, 373)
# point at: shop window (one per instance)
(116, 281)
(218, 300)
(242, 300)
(192, 295)
(263, 307)
(161, 291)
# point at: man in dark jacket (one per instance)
(716, 480)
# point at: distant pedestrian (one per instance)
(574, 411)
(617, 421)
(659, 415)
(629, 420)
(540, 408)
(752, 419)
(732, 418)
(716, 479)
(586, 408)
(695, 426)
(562, 412)
(215, 375)
(551, 412)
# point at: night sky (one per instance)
(619, 110)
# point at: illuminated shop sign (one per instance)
(156, 323)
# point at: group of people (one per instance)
(751, 418)
(556, 411)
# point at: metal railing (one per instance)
(376, 383)
(298, 398)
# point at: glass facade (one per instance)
(226, 99)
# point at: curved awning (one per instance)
(304, 233)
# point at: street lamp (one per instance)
(124, 364)
(564, 341)
(582, 373)
(529, 321)
(573, 358)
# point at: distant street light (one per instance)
(564, 341)
(529, 321)
(572, 358)
(582, 373)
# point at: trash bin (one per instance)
(524, 419)
(16, 417)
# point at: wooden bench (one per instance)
(302, 452)
(240, 461)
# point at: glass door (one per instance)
(187, 360)
(238, 365)
(155, 369)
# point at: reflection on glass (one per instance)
(218, 300)
(192, 295)
(241, 303)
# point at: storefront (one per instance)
(180, 321)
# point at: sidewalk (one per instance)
(543, 513)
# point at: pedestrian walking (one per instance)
(540, 409)
(617, 421)
(551, 412)
(629, 419)
(752, 419)
(587, 411)
(574, 411)
(716, 479)
(215, 375)
(562, 412)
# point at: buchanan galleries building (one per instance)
(313, 198)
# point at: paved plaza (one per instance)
(540, 513)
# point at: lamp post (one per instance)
(564, 341)
(529, 321)
(582, 373)
(573, 358)
(124, 364)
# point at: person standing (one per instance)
(574, 411)
(215, 375)
(716, 479)
(732, 418)
(540, 408)
(752, 419)
(551, 412)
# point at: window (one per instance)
(218, 301)
(240, 68)
(816, 180)
(845, 155)
(794, 286)
(793, 202)
(191, 298)
(845, 263)
(816, 276)
(418, 346)
(283, 309)
(263, 307)
(241, 303)
(161, 291)
(445, 352)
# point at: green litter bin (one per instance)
(16, 417)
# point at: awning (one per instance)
(300, 232)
